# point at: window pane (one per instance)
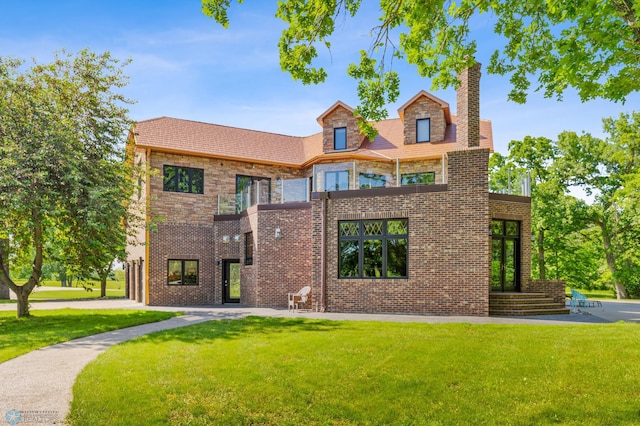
(336, 181)
(423, 130)
(496, 227)
(397, 257)
(426, 177)
(397, 227)
(512, 228)
(340, 138)
(191, 272)
(248, 248)
(183, 179)
(169, 173)
(371, 180)
(372, 258)
(418, 178)
(496, 263)
(175, 272)
(349, 259)
(372, 227)
(349, 229)
(197, 181)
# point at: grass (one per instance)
(21, 335)
(43, 294)
(115, 289)
(298, 371)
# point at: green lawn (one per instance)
(298, 371)
(21, 335)
(65, 294)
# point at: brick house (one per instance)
(404, 223)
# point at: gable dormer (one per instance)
(425, 118)
(340, 130)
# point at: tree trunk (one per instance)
(23, 302)
(542, 267)
(103, 285)
(4, 247)
(5, 293)
(621, 291)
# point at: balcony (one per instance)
(352, 175)
(283, 191)
(516, 184)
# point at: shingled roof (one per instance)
(188, 137)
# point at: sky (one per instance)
(185, 65)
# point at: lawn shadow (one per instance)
(207, 332)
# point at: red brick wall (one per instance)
(468, 108)
(225, 251)
(448, 271)
(553, 289)
(181, 241)
(284, 264)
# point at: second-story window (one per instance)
(340, 138)
(423, 130)
(183, 179)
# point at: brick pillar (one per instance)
(468, 108)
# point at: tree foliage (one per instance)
(583, 242)
(592, 46)
(63, 180)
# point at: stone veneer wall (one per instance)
(219, 178)
(424, 108)
(513, 207)
(448, 271)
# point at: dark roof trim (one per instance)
(511, 198)
(377, 192)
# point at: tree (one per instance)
(62, 127)
(608, 170)
(590, 45)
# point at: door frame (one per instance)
(226, 272)
(503, 237)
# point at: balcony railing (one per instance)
(512, 185)
(352, 175)
(283, 191)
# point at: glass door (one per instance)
(231, 281)
(505, 255)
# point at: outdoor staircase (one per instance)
(524, 304)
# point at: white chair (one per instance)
(299, 298)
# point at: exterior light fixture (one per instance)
(236, 238)
(225, 239)
(278, 232)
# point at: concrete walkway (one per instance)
(38, 385)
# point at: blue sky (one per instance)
(187, 66)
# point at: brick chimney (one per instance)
(468, 108)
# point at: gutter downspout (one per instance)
(323, 242)
(147, 234)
